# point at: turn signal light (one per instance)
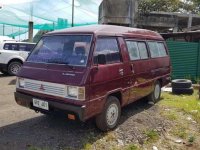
(71, 117)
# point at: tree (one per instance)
(146, 6)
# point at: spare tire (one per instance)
(188, 91)
(181, 84)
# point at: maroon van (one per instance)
(93, 71)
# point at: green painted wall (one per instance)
(185, 58)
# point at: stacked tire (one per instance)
(182, 86)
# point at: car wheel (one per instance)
(155, 95)
(181, 83)
(110, 116)
(14, 67)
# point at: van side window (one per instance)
(26, 47)
(157, 49)
(108, 47)
(22, 47)
(6, 46)
(162, 49)
(143, 50)
(9, 46)
(153, 49)
(133, 50)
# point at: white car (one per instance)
(12, 56)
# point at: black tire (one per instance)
(186, 91)
(181, 84)
(14, 67)
(102, 121)
(153, 97)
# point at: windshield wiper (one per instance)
(62, 62)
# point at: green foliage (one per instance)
(191, 139)
(152, 135)
(146, 6)
(132, 147)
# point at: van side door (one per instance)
(107, 78)
(139, 61)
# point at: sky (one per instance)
(8, 2)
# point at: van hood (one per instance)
(61, 74)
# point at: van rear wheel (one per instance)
(110, 115)
(14, 67)
(155, 95)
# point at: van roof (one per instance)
(110, 30)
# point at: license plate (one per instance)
(40, 104)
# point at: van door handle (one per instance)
(121, 72)
(132, 68)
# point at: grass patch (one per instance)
(191, 139)
(151, 135)
(87, 146)
(188, 104)
(132, 147)
(171, 115)
(179, 132)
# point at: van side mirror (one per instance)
(101, 59)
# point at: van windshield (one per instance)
(62, 49)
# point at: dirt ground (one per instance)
(21, 128)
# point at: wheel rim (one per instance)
(15, 68)
(157, 91)
(112, 114)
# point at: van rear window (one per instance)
(62, 49)
(157, 49)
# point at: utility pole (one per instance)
(30, 25)
(3, 29)
(72, 13)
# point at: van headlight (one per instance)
(75, 92)
(21, 82)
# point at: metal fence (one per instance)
(185, 58)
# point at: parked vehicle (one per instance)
(12, 55)
(6, 38)
(93, 72)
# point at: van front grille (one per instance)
(45, 88)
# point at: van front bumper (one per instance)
(27, 101)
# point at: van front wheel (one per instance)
(110, 116)
(155, 95)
